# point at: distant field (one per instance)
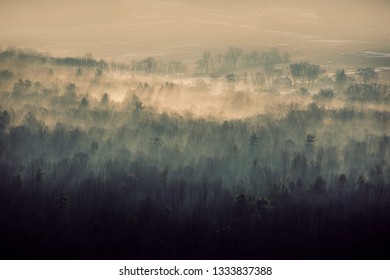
(182, 31)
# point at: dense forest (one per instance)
(302, 173)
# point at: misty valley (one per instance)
(242, 154)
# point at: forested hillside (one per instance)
(291, 160)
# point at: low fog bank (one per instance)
(228, 85)
(285, 159)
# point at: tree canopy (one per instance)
(367, 74)
(305, 72)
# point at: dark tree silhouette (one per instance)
(105, 100)
(232, 57)
(341, 78)
(367, 74)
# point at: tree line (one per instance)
(235, 59)
(85, 177)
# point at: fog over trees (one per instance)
(194, 129)
(303, 174)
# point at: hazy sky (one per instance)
(123, 29)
